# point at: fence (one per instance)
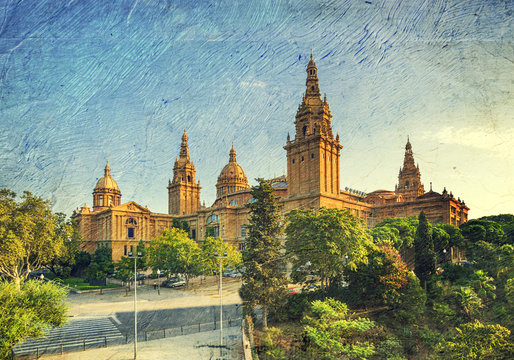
(84, 343)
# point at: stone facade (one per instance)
(312, 181)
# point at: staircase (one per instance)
(75, 335)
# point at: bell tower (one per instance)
(313, 155)
(409, 177)
(183, 191)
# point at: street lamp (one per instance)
(42, 277)
(221, 298)
(158, 282)
(135, 301)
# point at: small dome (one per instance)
(106, 181)
(232, 171)
(232, 178)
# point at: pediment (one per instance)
(131, 206)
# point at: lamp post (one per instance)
(135, 300)
(158, 282)
(42, 277)
(221, 298)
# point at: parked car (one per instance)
(173, 282)
(140, 276)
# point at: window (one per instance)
(233, 203)
(131, 221)
(293, 161)
(223, 230)
(193, 234)
(131, 249)
(243, 230)
(312, 156)
(125, 250)
(303, 158)
(130, 233)
(101, 201)
(304, 130)
(188, 178)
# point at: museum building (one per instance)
(312, 181)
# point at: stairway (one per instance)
(75, 335)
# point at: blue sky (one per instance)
(83, 81)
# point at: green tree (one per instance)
(264, 280)
(425, 258)
(176, 253)
(334, 334)
(29, 311)
(483, 285)
(381, 279)
(324, 242)
(475, 340)
(81, 263)
(67, 233)
(101, 263)
(27, 235)
(405, 227)
(468, 301)
(211, 263)
(483, 230)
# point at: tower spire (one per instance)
(107, 170)
(312, 83)
(184, 148)
(232, 155)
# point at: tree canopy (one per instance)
(323, 242)
(211, 263)
(425, 257)
(176, 253)
(264, 279)
(27, 235)
(29, 311)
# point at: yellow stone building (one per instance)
(312, 181)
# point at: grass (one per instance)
(82, 284)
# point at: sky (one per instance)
(86, 81)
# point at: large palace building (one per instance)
(312, 181)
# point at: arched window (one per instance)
(131, 221)
(188, 178)
(233, 203)
(100, 200)
(304, 130)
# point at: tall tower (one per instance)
(183, 191)
(106, 192)
(313, 155)
(409, 178)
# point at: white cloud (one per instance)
(500, 142)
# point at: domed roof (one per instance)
(232, 171)
(106, 181)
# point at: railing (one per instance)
(82, 344)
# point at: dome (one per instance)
(106, 181)
(232, 178)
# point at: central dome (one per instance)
(106, 181)
(232, 178)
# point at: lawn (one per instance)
(82, 284)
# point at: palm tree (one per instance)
(483, 285)
(468, 301)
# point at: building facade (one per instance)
(312, 181)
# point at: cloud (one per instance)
(498, 142)
(254, 83)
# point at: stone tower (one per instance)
(232, 178)
(409, 179)
(106, 192)
(313, 155)
(183, 191)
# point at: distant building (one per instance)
(312, 181)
